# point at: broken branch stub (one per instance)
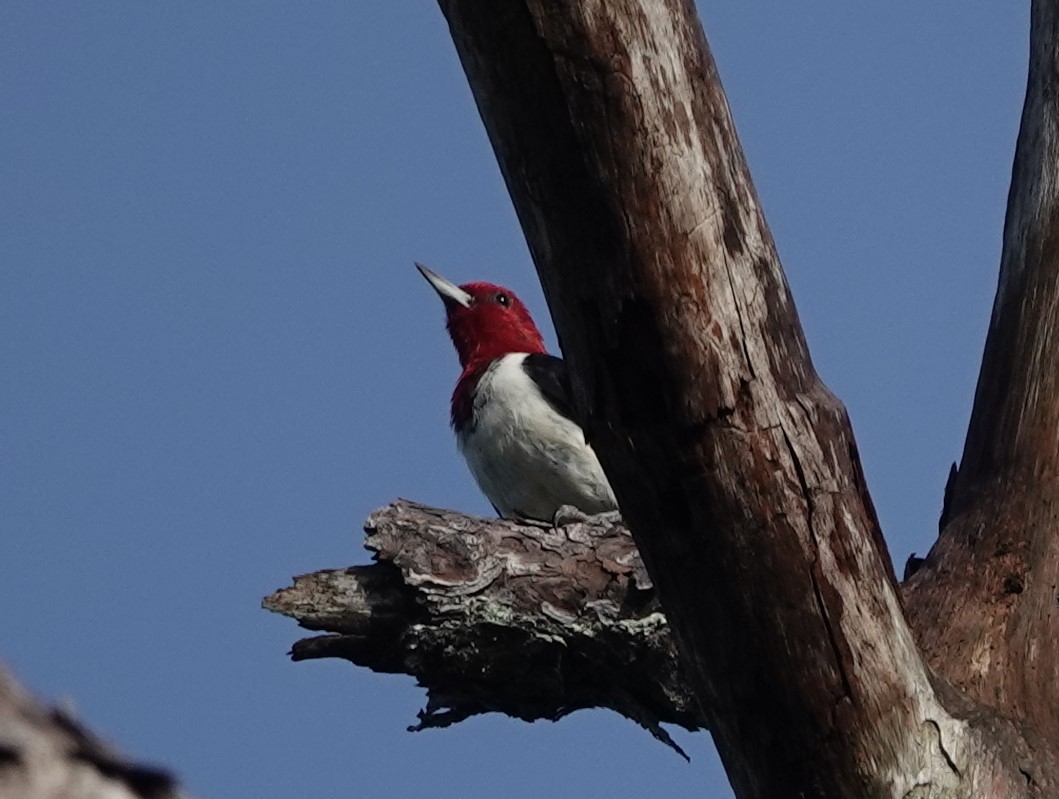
(493, 616)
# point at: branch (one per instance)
(490, 615)
(993, 574)
(45, 753)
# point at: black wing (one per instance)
(552, 378)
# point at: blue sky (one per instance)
(218, 358)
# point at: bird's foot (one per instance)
(568, 514)
(526, 520)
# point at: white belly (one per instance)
(527, 458)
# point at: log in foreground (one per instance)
(46, 753)
(489, 615)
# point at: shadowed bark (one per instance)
(735, 467)
(46, 753)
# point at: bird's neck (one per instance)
(477, 345)
(467, 386)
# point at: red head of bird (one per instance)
(485, 321)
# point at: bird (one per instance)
(512, 411)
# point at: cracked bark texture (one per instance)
(735, 467)
(993, 574)
(492, 616)
(46, 753)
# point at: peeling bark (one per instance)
(490, 615)
(45, 753)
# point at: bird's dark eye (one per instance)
(503, 299)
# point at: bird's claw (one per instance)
(568, 514)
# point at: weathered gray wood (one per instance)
(45, 753)
(490, 615)
(734, 465)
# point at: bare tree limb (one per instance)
(46, 753)
(993, 575)
(490, 615)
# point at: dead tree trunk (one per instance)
(735, 467)
(993, 575)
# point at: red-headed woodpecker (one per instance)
(512, 409)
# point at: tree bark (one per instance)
(734, 466)
(45, 753)
(993, 574)
(490, 615)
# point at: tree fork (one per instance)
(735, 467)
